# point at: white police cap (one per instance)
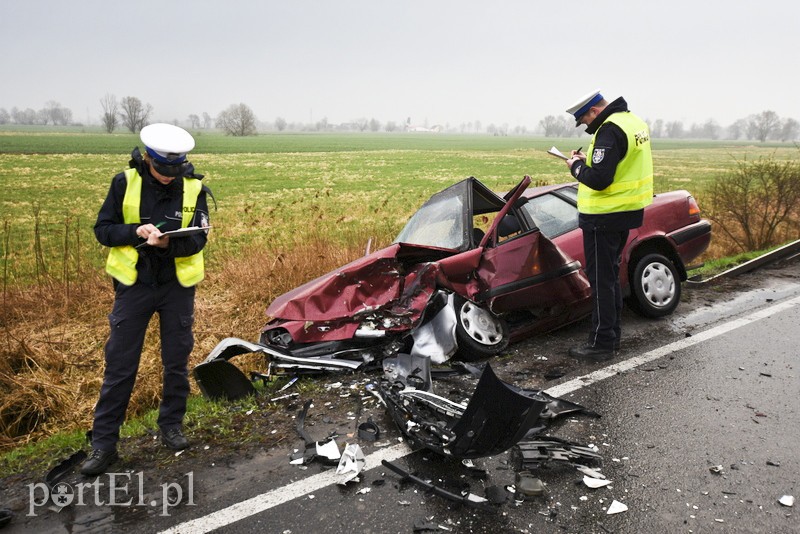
(166, 143)
(583, 104)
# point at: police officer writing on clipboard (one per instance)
(615, 184)
(152, 273)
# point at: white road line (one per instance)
(303, 487)
(631, 363)
(281, 495)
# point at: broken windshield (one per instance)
(441, 222)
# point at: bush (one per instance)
(756, 205)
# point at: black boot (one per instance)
(98, 462)
(594, 354)
(174, 439)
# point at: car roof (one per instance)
(532, 192)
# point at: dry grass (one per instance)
(51, 347)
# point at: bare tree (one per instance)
(135, 115)
(238, 120)
(551, 126)
(23, 116)
(194, 120)
(280, 124)
(55, 113)
(789, 130)
(110, 116)
(674, 129)
(737, 129)
(555, 126)
(5, 117)
(206, 120)
(361, 123)
(657, 128)
(765, 123)
(374, 125)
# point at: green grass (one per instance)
(273, 189)
(223, 419)
(716, 266)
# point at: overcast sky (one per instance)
(440, 62)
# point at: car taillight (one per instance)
(694, 209)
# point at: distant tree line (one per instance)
(52, 113)
(762, 127)
(132, 114)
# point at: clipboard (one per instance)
(180, 232)
(557, 153)
(183, 232)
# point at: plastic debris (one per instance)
(328, 449)
(595, 483)
(288, 384)
(616, 508)
(787, 500)
(287, 396)
(594, 473)
(716, 469)
(351, 464)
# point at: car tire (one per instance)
(480, 333)
(656, 286)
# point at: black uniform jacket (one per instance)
(613, 140)
(159, 204)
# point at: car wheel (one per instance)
(656, 286)
(480, 333)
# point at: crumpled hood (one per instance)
(358, 288)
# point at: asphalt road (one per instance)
(715, 385)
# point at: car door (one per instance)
(521, 269)
(555, 213)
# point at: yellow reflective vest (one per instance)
(121, 262)
(632, 188)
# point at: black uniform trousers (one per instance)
(134, 306)
(603, 252)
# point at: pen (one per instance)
(581, 148)
(158, 225)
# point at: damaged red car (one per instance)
(472, 271)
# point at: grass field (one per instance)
(289, 207)
(274, 189)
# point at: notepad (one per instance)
(183, 232)
(557, 153)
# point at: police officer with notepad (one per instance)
(615, 184)
(152, 273)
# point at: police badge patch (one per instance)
(598, 155)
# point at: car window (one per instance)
(439, 223)
(552, 214)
